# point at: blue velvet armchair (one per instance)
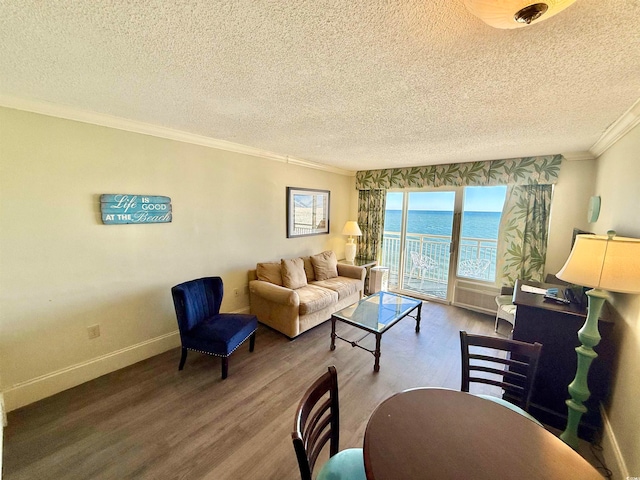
(203, 328)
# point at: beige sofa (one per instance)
(297, 294)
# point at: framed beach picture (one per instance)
(307, 212)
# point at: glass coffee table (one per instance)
(376, 314)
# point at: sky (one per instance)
(476, 199)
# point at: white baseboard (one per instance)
(2, 425)
(611, 451)
(44, 386)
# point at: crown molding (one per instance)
(578, 156)
(319, 166)
(617, 130)
(134, 126)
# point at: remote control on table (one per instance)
(557, 299)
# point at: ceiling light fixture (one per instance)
(515, 13)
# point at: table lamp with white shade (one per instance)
(606, 264)
(352, 229)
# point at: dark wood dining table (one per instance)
(429, 433)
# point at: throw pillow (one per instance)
(293, 275)
(269, 272)
(325, 265)
(308, 269)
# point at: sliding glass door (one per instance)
(417, 241)
(431, 238)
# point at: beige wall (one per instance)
(576, 183)
(62, 270)
(618, 184)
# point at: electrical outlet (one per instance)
(93, 331)
(236, 292)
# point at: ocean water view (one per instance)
(432, 222)
(428, 240)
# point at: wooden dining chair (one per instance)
(317, 422)
(501, 362)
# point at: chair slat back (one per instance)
(508, 364)
(317, 422)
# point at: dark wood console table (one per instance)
(556, 327)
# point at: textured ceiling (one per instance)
(357, 84)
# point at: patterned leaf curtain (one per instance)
(371, 207)
(514, 171)
(523, 237)
(522, 242)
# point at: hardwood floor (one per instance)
(151, 421)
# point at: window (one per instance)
(420, 238)
(478, 246)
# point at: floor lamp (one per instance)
(606, 264)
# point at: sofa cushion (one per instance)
(269, 272)
(293, 274)
(314, 298)
(343, 286)
(325, 265)
(308, 269)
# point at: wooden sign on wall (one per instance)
(118, 209)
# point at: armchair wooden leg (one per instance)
(252, 341)
(183, 358)
(225, 367)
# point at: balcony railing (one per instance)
(476, 260)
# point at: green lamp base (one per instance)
(589, 336)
